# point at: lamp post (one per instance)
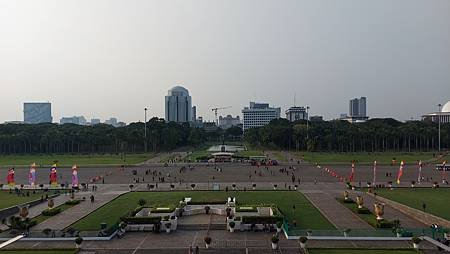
(307, 122)
(145, 129)
(439, 124)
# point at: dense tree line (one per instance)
(102, 138)
(342, 136)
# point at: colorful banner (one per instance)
(10, 178)
(74, 176)
(419, 178)
(400, 172)
(53, 175)
(374, 172)
(352, 175)
(32, 175)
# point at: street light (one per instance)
(145, 129)
(307, 122)
(439, 124)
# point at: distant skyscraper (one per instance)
(194, 113)
(357, 107)
(37, 112)
(259, 114)
(80, 120)
(296, 113)
(178, 105)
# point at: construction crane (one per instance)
(215, 113)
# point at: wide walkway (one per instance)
(389, 212)
(103, 195)
(37, 209)
(337, 214)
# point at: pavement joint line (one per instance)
(140, 244)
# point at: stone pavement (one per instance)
(222, 242)
(103, 195)
(336, 213)
(37, 209)
(389, 212)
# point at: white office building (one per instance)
(80, 120)
(296, 113)
(178, 104)
(259, 114)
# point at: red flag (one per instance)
(400, 172)
(352, 175)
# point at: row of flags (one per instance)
(399, 174)
(53, 176)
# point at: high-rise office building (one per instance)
(259, 114)
(357, 111)
(357, 107)
(37, 112)
(296, 113)
(194, 113)
(178, 104)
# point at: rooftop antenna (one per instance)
(294, 98)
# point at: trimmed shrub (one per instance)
(51, 212)
(73, 202)
(363, 210)
(261, 219)
(142, 220)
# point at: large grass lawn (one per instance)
(437, 200)
(306, 215)
(67, 160)
(365, 251)
(8, 200)
(363, 158)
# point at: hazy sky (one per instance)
(113, 58)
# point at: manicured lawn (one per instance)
(365, 251)
(67, 160)
(306, 215)
(60, 251)
(437, 200)
(8, 200)
(363, 158)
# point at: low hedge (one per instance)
(51, 212)
(252, 209)
(363, 210)
(261, 219)
(384, 224)
(213, 202)
(154, 210)
(73, 202)
(142, 220)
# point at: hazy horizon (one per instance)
(109, 58)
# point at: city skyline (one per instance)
(394, 53)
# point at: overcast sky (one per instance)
(113, 58)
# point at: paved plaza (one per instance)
(319, 187)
